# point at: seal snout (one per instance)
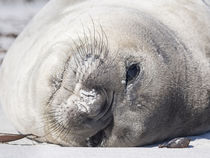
(93, 101)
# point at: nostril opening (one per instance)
(88, 93)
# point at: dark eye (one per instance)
(132, 72)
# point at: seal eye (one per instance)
(132, 72)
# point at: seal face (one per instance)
(128, 77)
(85, 107)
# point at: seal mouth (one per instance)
(97, 139)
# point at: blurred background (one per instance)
(14, 16)
(20, 1)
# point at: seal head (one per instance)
(111, 74)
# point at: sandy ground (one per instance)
(13, 18)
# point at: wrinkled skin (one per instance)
(118, 74)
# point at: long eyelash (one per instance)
(94, 43)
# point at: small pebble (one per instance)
(176, 143)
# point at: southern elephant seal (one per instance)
(110, 73)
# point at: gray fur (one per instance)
(74, 89)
